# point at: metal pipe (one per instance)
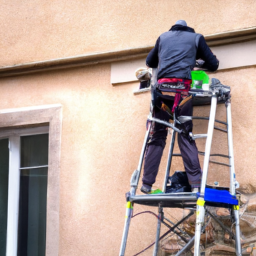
(215, 162)
(189, 245)
(186, 246)
(144, 147)
(238, 241)
(220, 129)
(187, 197)
(220, 223)
(176, 232)
(197, 136)
(129, 210)
(207, 118)
(200, 202)
(160, 217)
(135, 184)
(200, 211)
(167, 172)
(230, 150)
(208, 144)
(165, 123)
(183, 232)
(221, 155)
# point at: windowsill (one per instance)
(139, 91)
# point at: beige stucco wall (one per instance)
(104, 125)
(42, 30)
(103, 131)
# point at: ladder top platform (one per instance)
(172, 200)
(214, 196)
(203, 97)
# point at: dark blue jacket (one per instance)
(176, 51)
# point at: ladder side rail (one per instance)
(136, 175)
(126, 228)
(208, 143)
(169, 162)
(134, 184)
(200, 202)
(230, 149)
(233, 177)
(237, 237)
(158, 229)
(144, 148)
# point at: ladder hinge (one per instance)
(134, 178)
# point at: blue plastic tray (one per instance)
(219, 196)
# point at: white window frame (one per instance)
(51, 116)
(14, 136)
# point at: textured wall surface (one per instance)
(103, 131)
(104, 125)
(41, 30)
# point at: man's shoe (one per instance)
(195, 190)
(147, 190)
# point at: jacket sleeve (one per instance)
(205, 53)
(152, 58)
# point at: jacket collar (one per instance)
(182, 28)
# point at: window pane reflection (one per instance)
(32, 212)
(4, 173)
(34, 150)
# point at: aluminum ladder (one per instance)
(206, 196)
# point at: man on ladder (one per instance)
(175, 55)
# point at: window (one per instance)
(47, 117)
(23, 191)
(4, 173)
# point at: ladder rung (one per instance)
(187, 118)
(202, 153)
(215, 162)
(211, 161)
(220, 129)
(197, 136)
(221, 155)
(164, 123)
(207, 118)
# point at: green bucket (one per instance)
(199, 78)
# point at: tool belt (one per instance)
(177, 85)
(174, 84)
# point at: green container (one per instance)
(199, 78)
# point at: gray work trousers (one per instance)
(156, 144)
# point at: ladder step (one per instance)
(197, 136)
(210, 161)
(221, 155)
(153, 119)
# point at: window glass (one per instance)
(34, 150)
(4, 173)
(33, 195)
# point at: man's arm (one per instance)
(205, 53)
(152, 58)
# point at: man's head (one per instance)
(181, 22)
